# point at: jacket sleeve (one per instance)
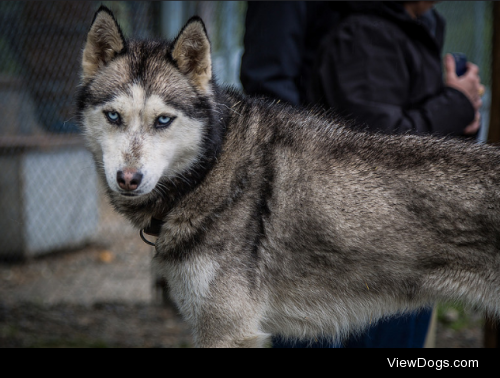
(274, 40)
(365, 74)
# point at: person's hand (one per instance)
(473, 128)
(469, 83)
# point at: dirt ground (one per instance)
(104, 296)
(101, 295)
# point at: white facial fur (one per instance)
(137, 144)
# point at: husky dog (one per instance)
(276, 220)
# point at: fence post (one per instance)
(494, 129)
(492, 328)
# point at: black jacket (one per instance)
(281, 40)
(384, 69)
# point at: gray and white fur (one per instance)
(277, 220)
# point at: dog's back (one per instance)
(341, 228)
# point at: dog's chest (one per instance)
(189, 281)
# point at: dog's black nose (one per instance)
(129, 179)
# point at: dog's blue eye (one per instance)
(163, 121)
(113, 117)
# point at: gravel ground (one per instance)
(103, 295)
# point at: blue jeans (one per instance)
(404, 331)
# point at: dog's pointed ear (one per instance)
(191, 52)
(104, 41)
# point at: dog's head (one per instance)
(145, 106)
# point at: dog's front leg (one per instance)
(229, 316)
(217, 301)
(211, 335)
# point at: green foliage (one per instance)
(456, 316)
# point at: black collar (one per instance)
(153, 229)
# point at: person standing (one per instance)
(382, 67)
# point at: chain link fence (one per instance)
(50, 198)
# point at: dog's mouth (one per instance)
(129, 194)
